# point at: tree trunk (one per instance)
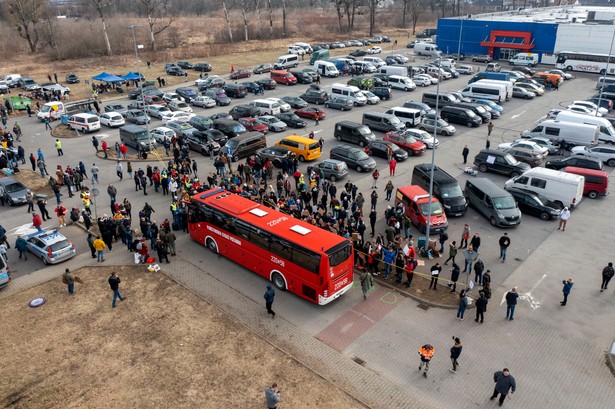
(270, 18)
(354, 8)
(228, 21)
(244, 15)
(285, 34)
(257, 9)
(152, 38)
(404, 13)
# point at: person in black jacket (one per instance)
(455, 353)
(511, 303)
(504, 382)
(475, 242)
(481, 306)
(114, 283)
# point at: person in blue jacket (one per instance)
(568, 283)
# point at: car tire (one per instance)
(45, 261)
(332, 178)
(410, 153)
(592, 194)
(301, 158)
(610, 162)
(469, 124)
(338, 137)
(211, 245)
(482, 168)
(362, 144)
(545, 216)
(493, 221)
(327, 105)
(359, 168)
(514, 174)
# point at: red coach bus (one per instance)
(296, 256)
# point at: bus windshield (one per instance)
(339, 254)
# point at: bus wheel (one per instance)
(278, 281)
(569, 68)
(211, 244)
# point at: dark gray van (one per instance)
(458, 115)
(383, 122)
(445, 99)
(493, 202)
(245, 145)
(477, 109)
(445, 188)
(353, 132)
(137, 137)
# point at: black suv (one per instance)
(302, 77)
(291, 120)
(229, 127)
(315, 96)
(578, 161)
(202, 66)
(236, 90)
(200, 143)
(213, 135)
(382, 92)
(354, 157)
(188, 94)
(176, 71)
(185, 65)
(243, 111)
(465, 116)
(201, 122)
(499, 162)
(477, 109)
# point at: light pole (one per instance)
(606, 72)
(134, 40)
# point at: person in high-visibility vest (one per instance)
(426, 352)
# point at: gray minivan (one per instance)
(245, 145)
(383, 122)
(443, 99)
(137, 137)
(493, 202)
(353, 132)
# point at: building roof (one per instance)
(577, 14)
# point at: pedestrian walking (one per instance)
(481, 306)
(269, 296)
(607, 273)
(119, 170)
(511, 303)
(58, 146)
(568, 283)
(504, 243)
(375, 176)
(454, 277)
(112, 192)
(465, 152)
(367, 282)
(504, 382)
(465, 235)
(161, 249)
(462, 305)
(316, 119)
(456, 353)
(426, 352)
(392, 166)
(95, 143)
(452, 252)
(69, 280)
(442, 239)
(37, 222)
(91, 238)
(563, 219)
(61, 213)
(94, 170)
(272, 396)
(389, 190)
(489, 129)
(479, 267)
(114, 283)
(435, 273)
(47, 124)
(100, 246)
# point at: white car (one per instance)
(589, 104)
(273, 123)
(203, 102)
(284, 106)
(422, 80)
(204, 81)
(602, 152)
(372, 99)
(533, 146)
(422, 136)
(582, 109)
(465, 69)
(112, 119)
(180, 106)
(374, 50)
(177, 116)
(157, 111)
(531, 87)
(171, 96)
(162, 133)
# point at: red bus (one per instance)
(296, 256)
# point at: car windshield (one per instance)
(14, 187)
(360, 155)
(184, 127)
(238, 128)
(543, 200)
(442, 123)
(481, 109)
(505, 202)
(410, 139)
(436, 209)
(451, 190)
(510, 159)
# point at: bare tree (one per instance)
(50, 31)
(245, 9)
(340, 13)
(155, 25)
(347, 4)
(270, 9)
(373, 8)
(284, 18)
(416, 8)
(404, 14)
(26, 15)
(100, 6)
(228, 20)
(257, 10)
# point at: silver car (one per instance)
(13, 191)
(273, 123)
(50, 246)
(333, 169)
(602, 152)
(443, 127)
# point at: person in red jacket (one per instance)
(104, 147)
(123, 150)
(61, 213)
(37, 221)
(392, 166)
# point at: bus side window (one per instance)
(306, 259)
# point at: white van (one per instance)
(493, 92)
(439, 72)
(84, 122)
(605, 128)
(266, 106)
(365, 66)
(430, 50)
(445, 62)
(353, 93)
(12, 80)
(394, 70)
(527, 59)
(326, 69)
(507, 84)
(401, 82)
(308, 48)
(573, 133)
(286, 61)
(563, 188)
(295, 49)
(409, 116)
(375, 61)
(605, 82)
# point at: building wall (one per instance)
(475, 31)
(587, 38)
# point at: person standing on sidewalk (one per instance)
(481, 306)
(426, 352)
(91, 240)
(272, 396)
(463, 304)
(100, 247)
(454, 278)
(470, 257)
(465, 152)
(475, 242)
(114, 283)
(442, 239)
(375, 176)
(456, 353)
(568, 283)
(69, 281)
(269, 296)
(607, 273)
(367, 282)
(435, 273)
(563, 219)
(504, 243)
(389, 190)
(511, 303)
(465, 235)
(410, 266)
(504, 382)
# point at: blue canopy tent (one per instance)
(106, 77)
(131, 76)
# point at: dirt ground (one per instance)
(35, 182)
(162, 347)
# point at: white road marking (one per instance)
(517, 115)
(534, 303)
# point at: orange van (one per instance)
(415, 200)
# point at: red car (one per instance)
(241, 74)
(310, 113)
(154, 100)
(407, 143)
(253, 124)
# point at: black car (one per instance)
(382, 92)
(524, 70)
(358, 53)
(212, 135)
(185, 65)
(313, 73)
(200, 122)
(390, 60)
(267, 83)
(291, 120)
(275, 154)
(315, 96)
(259, 69)
(235, 90)
(71, 79)
(499, 162)
(535, 204)
(188, 94)
(575, 160)
(176, 71)
(242, 111)
(200, 143)
(302, 77)
(295, 102)
(218, 95)
(379, 149)
(251, 86)
(221, 115)
(354, 157)
(202, 66)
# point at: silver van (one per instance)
(493, 202)
(383, 122)
(286, 61)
